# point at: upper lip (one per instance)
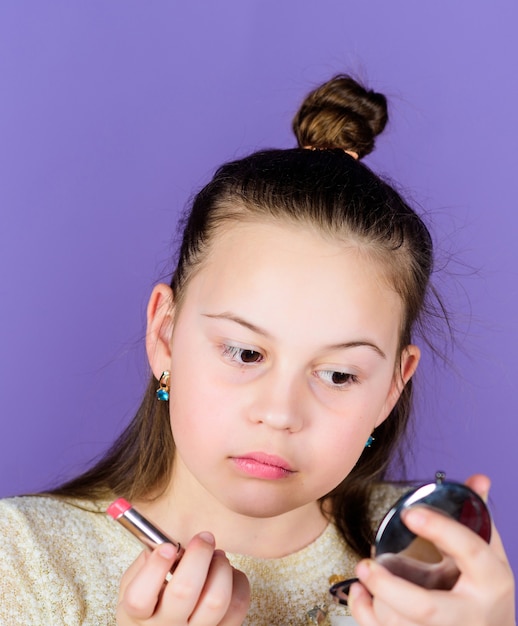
(266, 459)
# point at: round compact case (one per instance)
(416, 559)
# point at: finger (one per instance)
(226, 596)
(419, 606)
(361, 604)
(217, 592)
(240, 600)
(140, 597)
(183, 591)
(481, 484)
(497, 545)
(399, 602)
(473, 556)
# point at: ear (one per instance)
(160, 320)
(409, 361)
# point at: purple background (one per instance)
(112, 113)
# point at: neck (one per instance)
(185, 510)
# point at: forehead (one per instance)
(256, 267)
(297, 245)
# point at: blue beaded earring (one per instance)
(162, 393)
(369, 441)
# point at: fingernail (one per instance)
(220, 553)
(208, 538)
(363, 569)
(167, 551)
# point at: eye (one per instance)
(242, 356)
(337, 379)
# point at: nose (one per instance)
(278, 403)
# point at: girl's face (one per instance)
(283, 360)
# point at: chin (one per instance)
(261, 506)
(255, 512)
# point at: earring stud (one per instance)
(162, 393)
(369, 441)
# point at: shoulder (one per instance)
(49, 519)
(67, 546)
(35, 508)
(49, 525)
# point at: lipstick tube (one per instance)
(151, 536)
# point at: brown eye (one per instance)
(250, 356)
(241, 356)
(336, 379)
(340, 378)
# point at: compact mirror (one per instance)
(416, 559)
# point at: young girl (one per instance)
(282, 361)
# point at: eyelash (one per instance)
(233, 352)
(327, 376)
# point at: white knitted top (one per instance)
(61, 563)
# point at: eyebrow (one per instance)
(358, 344)
(239, 320)
(257, 329)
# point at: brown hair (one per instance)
(327, 190)
(341, 113)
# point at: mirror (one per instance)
(413, 558)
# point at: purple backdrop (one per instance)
(111, 114)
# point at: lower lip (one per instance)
(256, 469)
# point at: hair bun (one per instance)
(341, 113)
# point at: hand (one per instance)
(482, 596)
(204, 589)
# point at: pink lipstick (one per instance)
(261, 465)
(151, 536)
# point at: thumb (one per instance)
(481, 484)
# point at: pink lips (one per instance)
(261, 465)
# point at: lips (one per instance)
(262, 465)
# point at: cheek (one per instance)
(194, 412)
(201, 396)
(338, 448)
(346, 447)
(200, 410)
(336, 451)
